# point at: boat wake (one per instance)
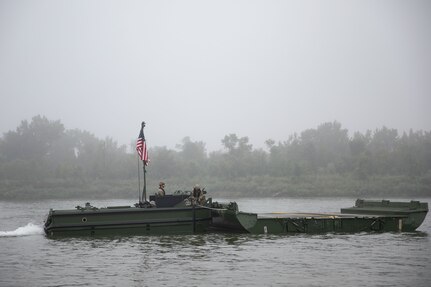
(29, 229)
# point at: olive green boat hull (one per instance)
(366, 216)
(413, 213)
(127, 221)
(311, 224)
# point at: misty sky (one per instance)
(204, 69)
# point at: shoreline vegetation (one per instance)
(43, 160)
(256, 187)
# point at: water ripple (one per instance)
(363, 259)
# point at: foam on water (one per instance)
(29, 229)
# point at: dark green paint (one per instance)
(365, 216)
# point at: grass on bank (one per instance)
(252, 186)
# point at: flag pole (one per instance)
(144, 190)
(141, 147)
(144, 163)
(139, 182)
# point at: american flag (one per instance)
(141, 147)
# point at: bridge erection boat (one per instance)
(169, 215)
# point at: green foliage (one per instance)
(32, 140)
(41, 159)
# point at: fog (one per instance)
(205, 69)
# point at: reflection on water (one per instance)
(363, 259)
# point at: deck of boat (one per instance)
(309, 215)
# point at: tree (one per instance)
(192, 151)
(235, 145)
(32, 140)
(193, 157)
(164, 163)
(382, 147)
(328, 145)
(238, 160)
(359, 143)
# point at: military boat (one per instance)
(365, 216)
(170, 214)
(175, 214)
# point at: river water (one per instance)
(28, 258)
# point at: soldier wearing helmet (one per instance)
(161, 191)
(198, 196)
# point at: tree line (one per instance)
(43, 159)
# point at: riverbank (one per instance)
(253, 186)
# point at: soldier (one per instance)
(197, 191)
(161, 191)
(198, 196)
